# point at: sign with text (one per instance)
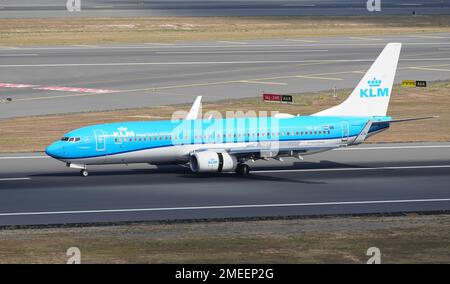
(412, 83)
(286, 99)
(272, 97)
(408, 83)
(277, 98)
(421, 83)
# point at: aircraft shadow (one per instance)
(185, 173)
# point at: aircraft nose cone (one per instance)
(55, 150)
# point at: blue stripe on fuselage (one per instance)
(117, 136)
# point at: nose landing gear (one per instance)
(84, 173)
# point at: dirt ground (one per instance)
(401, 239)
(87, 31)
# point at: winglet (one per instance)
(195, 109)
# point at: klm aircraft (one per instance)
(226, 145)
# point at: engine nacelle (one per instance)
(207, 161)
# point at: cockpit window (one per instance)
(70, 139)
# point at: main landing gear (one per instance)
(84, 173)
(242, 169)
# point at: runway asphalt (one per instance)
(379, 178)
(61, 79)
(136, 8)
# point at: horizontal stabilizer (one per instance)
(405, 119)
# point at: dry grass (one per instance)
(164, 29)
(405, 239)
(19, 134)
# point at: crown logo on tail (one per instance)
(374, 83)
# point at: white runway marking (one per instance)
(232, 42)
(13, 179)
(262, 82)
(428, 36)
(158, 43)
(243, 206)
(209, 62)
(249, 45)
(364, 38)
(241, 51)
(338, 149)
(319, 78)
(393, 147)
(353, 169)
(24, 157)
(301, 40)
(18, 55)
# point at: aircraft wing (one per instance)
(268, 150)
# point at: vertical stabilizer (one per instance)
(371, 96)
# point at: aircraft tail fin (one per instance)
(371, 96)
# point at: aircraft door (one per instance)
(100, 141)
(345, 131)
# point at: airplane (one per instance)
(228, 144)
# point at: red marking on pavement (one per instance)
(56, 88)
(78, 90)
(15, 86)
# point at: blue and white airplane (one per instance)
(226, 145)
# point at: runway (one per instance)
(379, 178)
(136, 8)
(62, 79)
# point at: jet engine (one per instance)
(208, 161)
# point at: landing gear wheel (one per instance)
(243, 169)
(84, 173)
